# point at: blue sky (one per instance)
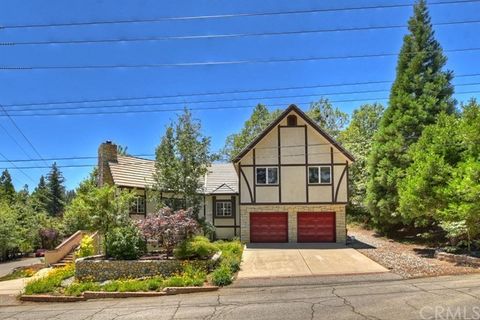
(66, 136)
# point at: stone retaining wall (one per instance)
(98, 269)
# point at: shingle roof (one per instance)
(221, 178)
(132, 172)
(138, 173)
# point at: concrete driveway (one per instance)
(296, 260)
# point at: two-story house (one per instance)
(290, 184)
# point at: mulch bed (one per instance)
(407, 260)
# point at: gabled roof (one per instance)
(138, 173)
(307, 119)
(221, 178)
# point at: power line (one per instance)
(224, 36)
(17, 168)
(227, 16)
(174, 109)
(23, 134)
(215, 63)
(15, 141)
(72, 108)
(219, 92)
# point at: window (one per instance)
(320, 175)
(267, 175)
(138, 205)
(292, 120)
(223, 208)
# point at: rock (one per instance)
(67, 282)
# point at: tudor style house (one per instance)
(288, 185)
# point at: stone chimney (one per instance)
(107, 152)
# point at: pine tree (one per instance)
(40, 196)
(7, 190)
(56, 191)
(421, 91)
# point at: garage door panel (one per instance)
(268, 227)
(316, 226)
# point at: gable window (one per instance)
(292, 120)
(320, 175)
(223, 208)
(138, 205)
(267, 175)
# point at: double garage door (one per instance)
(311, 227)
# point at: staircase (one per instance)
(69, 258)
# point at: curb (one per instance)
(89, 295)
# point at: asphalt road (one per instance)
(456, 297)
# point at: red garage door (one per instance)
(316, 226)
(268, 227)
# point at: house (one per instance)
(288, 185)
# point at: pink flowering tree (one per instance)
(169, 227)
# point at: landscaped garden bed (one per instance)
(192, 274)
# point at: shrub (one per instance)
(169, 228)
(86, 247)
(51, 281)
(222, 276)
(198, 247)
(125, 243)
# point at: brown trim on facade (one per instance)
(340, 182)
(248, 185)
(288, 203)
(234, 211)
(296, 164)
(254, 198)
(348, 180)
(306, 165)
(332, 175)
(302, 114)
(297, 126)
(279, 171)
(214, 209)
(235, 227)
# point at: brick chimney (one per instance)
(107, 152)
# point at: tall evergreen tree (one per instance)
(40, 196)
(182, 159)
(421, 91)
(56, 191)
(7, 190)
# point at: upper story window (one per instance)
(223, 208)
(138, 205)
(292, 120)
(267, 175)
(320, 175)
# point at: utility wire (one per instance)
(224, 36)
(17, 168)
(74, 108)
(219, 92)
(227, 16)
(23, 134)
(215, 63)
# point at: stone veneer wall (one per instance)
(96, 269)
(339, 209)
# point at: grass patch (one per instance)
(50, 282)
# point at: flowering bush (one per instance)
(170, 227)
(86, 247)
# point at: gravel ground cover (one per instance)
(406, 260)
